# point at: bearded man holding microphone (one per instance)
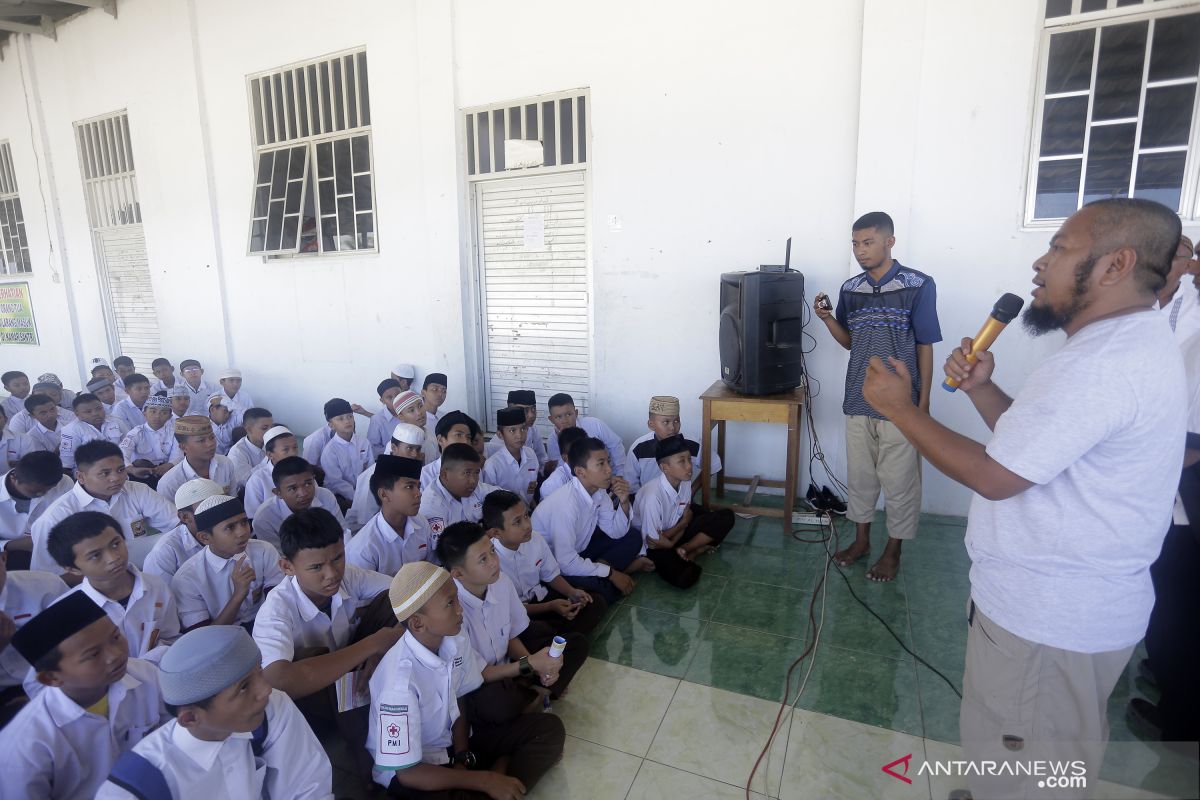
(1072, 500)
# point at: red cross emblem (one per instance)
(393, 731)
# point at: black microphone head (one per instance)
(1007, 307)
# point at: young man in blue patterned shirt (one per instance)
(887, 310)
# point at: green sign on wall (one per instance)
(16, 315)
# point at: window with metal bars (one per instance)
(14, 244)
(314, 188)
(1117, 106)
(109, 180)
(535, 134)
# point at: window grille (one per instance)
(1117, 105)
(109, 181)
(14, 244)
(557, 121)
(314, 185)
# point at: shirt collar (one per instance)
(63, 710)
(887, 276)
(201, 752)
(102, 600)
(81, 494)
(307, 608)
(217, 563)
(438, 661)
(466, 598)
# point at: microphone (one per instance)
(1005, 310)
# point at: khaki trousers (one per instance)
(1024, 702)
(879, 457)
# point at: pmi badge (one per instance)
(393, 730)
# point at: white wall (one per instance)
(716, 134)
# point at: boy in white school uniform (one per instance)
(125, 368)
(514, 466)
(150, 449)
(103, 389)
(14, 445)
(65, 396)
(433, 670)
(563, 414)
(379, 432)
(102, 485)
(89, 546)
(23, 593)
(561, 475)
(397, 533)
(47, 427)
(278, 443)
(16, 383)
(324, 620)
(220, 412)
(231, 386)
(194, 435)
(98, 703)
(226, 582)
(346, 454)
(527, 560)
(295, 490)
(24, 420)
(457, 495)
(26, 491)
(663, 421)
(164, 376)
(453, 427)
(130, 409)
(407, 441)
(433, 395)
(526, 400)
(180, 399)
(587, 523)
(182, 542)
(675, 529)
(231, 736)
(404, 374)
(410, 408)
(90, 423)
(248, 452)
(100, 370)
(199, 389)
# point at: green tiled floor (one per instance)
(747, 620)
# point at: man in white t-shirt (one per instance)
(1070, 507)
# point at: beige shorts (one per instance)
(880, 458)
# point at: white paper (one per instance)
(523, 153)
(533, 227)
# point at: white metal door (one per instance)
(532, 256)
(134, 319)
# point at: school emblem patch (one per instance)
(436, 524)
(138, 526)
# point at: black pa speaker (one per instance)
(761, 330)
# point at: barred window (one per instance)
(1118, 99)
(14, 244)
(314, 188)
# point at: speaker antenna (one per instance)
(787, 256)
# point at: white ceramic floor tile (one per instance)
(660, 782)
(588, 770)
(832, 757)
(616, 706)
(719, 734)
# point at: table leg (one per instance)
(705, 454)
(721, 453)
(793, 456)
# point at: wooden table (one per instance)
(721, 405)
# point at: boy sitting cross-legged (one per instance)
(200, 459)
(398, 533)
(183, 541)
(295, 490)
(407, 442)
(675, 529)
(231, 736)
(514, 466)
(89, 545)
(587, 522)
(420, 738)
(225, 583)
(98, 702)
(527, 561)
(495, 618)
(324, 620)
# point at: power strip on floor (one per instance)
(801, 518)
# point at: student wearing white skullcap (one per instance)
(433, 670)
(231, 386)
(405, 374)
(220, 412)
(180, 399)
(408, 441)
(278, 443)
(66, 395)
(232, 734)
(180, 543)
(410, 408)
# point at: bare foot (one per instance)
(854, 552)
(683, 553)
(885, 568)
(640, 564)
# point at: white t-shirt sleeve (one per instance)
(189, 596)
(273, 631)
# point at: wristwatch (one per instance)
(524, 667)
(464, 757)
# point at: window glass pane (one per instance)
(364, 100)
(339, 108)
(296, 169)
(289, 103)
(329, 241)
(1176, 51)
(1063, 123)
(279, 175)
(549, 155)
(328, 197)
(1057, 8)
(351, 92)
(485, 143)
(1168, 116)
(498, 137)
(362, 192)
(1129, 3)
(366, 230)
(1069, 68)
(360, 149)
(261, 195)
(292, 200)
(1119, 72)
(1160, 177)
(290, 233)
(531, 126)
(275, 225)
(581, 104)
(302, 102)
(1057, 188)
(470, 144)
(314, 100)
(258, 236)
(345, 209)
(264, 167)
(256, 110)
(566, 130)
(308, 226)
(514, 123)
(1110, 162)
(341, 163)
(1093, 5)
(326, 94)
(325, 160)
